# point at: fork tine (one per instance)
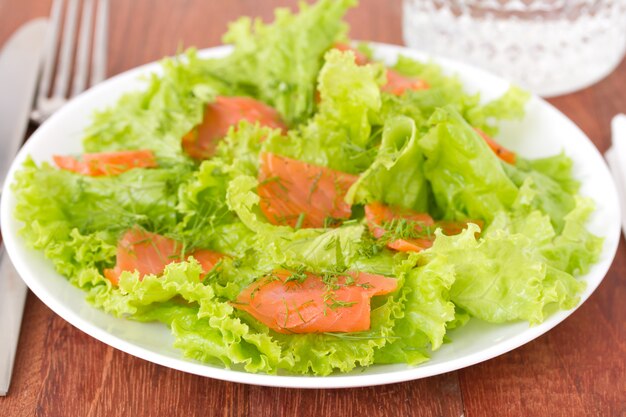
(82, 55)
(50, 51)
(67, 47)
(99, 58)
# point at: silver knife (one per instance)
(616, 158)
(20, 62)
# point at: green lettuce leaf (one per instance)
(575, 249)
(557, 167)
(158, 117)
(549, 196)
(145, 197)
(350, 94)
(510, 106)
(279, 63)
(318, 249)
(207, 221)
(204, 327)
(341, 133)
(429, 72)
(396, 176)
(240, 149)
(427, 310)
(467, 178)
(503, 276)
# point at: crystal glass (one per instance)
(551, 47)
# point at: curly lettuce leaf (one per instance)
(575, 249)
(239, 151)
(503, 276)
(467, 178)
(145, 197)
(447, 90)
(341, 133)
(350, 94)
(207, 221)
(429, 72)
(557, 167)
(427, 312)
(201, 200)
(318, 249)
(510, 106)
(279, 63)
(159, 116)
(204, 327)
(549, 196)
(396, 176)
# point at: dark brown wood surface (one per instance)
(577, 369)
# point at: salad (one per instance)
(299, 207)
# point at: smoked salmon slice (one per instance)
(302, 195)
(106, 163)
(219, 116)
(398, 84)
(149, 253)
(405, 230)
(292, 302)
(502, 152)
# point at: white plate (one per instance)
(544, 131)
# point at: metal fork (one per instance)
(45, 105)
(47, 102)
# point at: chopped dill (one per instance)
(331, 242)
(340, 260)
(158, 251)
(331, 280)
(331, 222)
(284, 219)
(300, 221)
(339, 191)
(360, 336)
(334, 304)
(300, 315)
(298, 276)
(408, 229)
(214, 274)
(271, 277)
(254, 291)
(273, 179)
(286, 313)
(349, 280)
(314, 185)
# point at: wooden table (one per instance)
(576, 369)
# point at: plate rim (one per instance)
(11, 241)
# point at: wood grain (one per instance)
(61, 371)
(577, 369)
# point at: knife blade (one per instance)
(616, 158)
(20, 61)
